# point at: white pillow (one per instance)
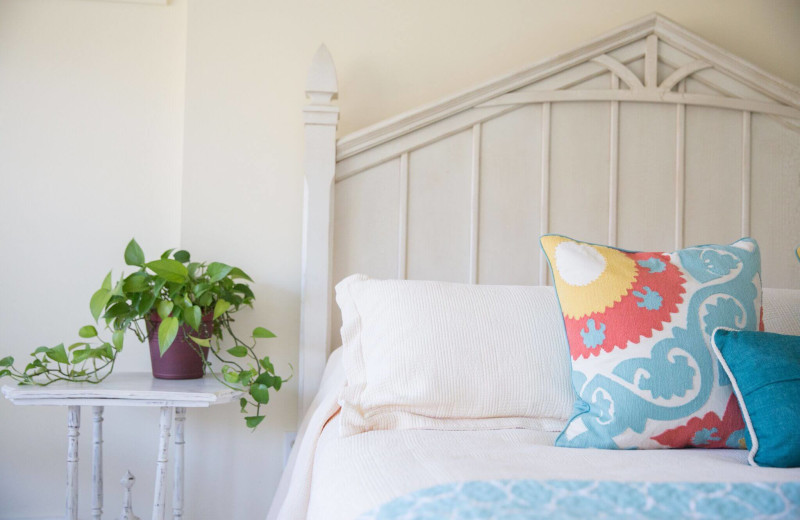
(435, 355)
(782, 311)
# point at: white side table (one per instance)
(131, 389)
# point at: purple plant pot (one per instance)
(182, 359)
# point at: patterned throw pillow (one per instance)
(639, 328)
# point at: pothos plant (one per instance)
(181, 292)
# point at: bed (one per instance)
(622, 141)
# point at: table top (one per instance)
(126, 389)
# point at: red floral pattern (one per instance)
(708, 432)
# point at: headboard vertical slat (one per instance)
(613, 161)
(680, 168)
(402, 246)
(475, 182)
(746, 172)
(544, 215)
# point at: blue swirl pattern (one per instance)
(579, 499)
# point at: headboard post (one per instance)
(320, 118)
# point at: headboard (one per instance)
(648, 137)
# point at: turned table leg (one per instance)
(73, 431)
(177, 483)
(160, 494)
(97, 463)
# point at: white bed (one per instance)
(647, 138)
(332, 477)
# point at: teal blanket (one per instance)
(580, 499)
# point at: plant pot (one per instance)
(182, 359)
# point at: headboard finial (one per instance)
(322, 86)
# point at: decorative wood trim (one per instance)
(160, 493)
(651, 62)
(746, 172)
(654, 24)
(73, 432)
(127, 483)
(475, 203)
(647, 95)
(680, 170)
(619, 70)
(180, 465)
(413, 120)
(97, 462)
(682, 73)
(321, 118)
(544, 205)
(413, 141)
(722, 60)
(613, 162)
(402, 227)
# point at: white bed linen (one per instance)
(355, 474)
(329, 477)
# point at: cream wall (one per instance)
(241, 181)
(91, 136)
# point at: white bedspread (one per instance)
(340, 478)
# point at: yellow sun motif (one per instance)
(588, 278)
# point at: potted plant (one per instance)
(184, 309)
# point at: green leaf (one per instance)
(253, 421)
(217, 271)
(6, 361)
(264, 379)
(205, 300)
(136, 283)
(182, 256)
(134, 254)
(193, 316)
(203, 342)
(192, 268)
(117, 338)
(81, 355)
(261, 332)
(166, 333)
(164, 308)
(277, 382)
(98, 302)
(267, 365)
(238, 273)
(145, 305)
(231, 377)
(220, 308)
(4, 373)
(166, 253)
(70, 348)
(242, 402)
(58, 354)
(169, 270)
(117, 310)
(107, 282)
(260, 393)
(238, 351)
(87, 331)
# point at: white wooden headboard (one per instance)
(646, 138)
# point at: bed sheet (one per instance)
(331, 477)
(353, 475)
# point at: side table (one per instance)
(126, 389)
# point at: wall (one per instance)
(246, 63)
(91, 130)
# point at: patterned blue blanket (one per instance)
(583, 499)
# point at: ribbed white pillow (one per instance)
(435, 355)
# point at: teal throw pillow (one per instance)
(765, 371)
